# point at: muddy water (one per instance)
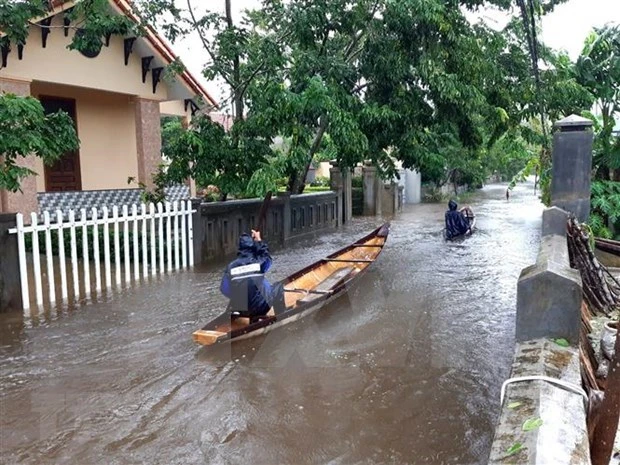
(405, 368)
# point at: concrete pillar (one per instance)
(572, 166)
(373, 191)
(148, 139)
(25, 201)
(554, 221)
(549, 295)
(200, 234)
(286, 215)
(10, 287)
(347, 214)
(413, 186)
(336, 182)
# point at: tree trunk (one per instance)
(236, 90)
(607, 426)
(297, 181)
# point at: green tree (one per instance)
(27, 130)
(598, 69)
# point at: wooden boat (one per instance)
(608, 252)
(305, 291)
(470, 216)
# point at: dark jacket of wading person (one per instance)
(456, 223)
(244, 281)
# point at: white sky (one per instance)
(564, 29)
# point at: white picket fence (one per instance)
(169, 250)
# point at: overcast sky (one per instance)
(564, 29)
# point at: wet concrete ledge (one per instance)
(561, 438)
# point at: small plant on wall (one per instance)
(26, 130)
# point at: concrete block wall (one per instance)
(549, 298)
(218, 225)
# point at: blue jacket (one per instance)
(456, 223)
(258, 290)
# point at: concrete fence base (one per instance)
(549, 295)
(542, 423)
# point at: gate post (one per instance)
(200, 239)
(10, 286)
(572, 166)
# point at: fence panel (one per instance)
(127, 238)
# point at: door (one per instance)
(64, 174)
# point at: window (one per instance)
(225, 232)
(311, 215)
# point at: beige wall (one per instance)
(57, 64)
(175, 108)
(107, 131)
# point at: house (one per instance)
(116, 98)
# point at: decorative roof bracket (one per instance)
(193, 106)
(5, 49)
(45, 30)
(66, 21)
(20, 51)
(146, 65)
(108, 36)
(128, 48)
(156, 72)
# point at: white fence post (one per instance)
(126, 242)
(169, 218)
(85, 252)
(136, 258)
(106, 247)
(49, 260)
(153, 249)
(117, 247)
(145, 250)
(61, 255)
(36, 259)
(23, 270)
(96, 253)
(183, 233)
(190, 233)
(160, 213)
(74, 258)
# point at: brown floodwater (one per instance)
(403, 369)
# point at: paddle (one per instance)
(262, 215)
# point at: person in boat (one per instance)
(244, 282)
(456, 222)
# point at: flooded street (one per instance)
(403, 369)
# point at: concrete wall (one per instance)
(218, 225)
(549, 299)
(10, 290)
(107, 130)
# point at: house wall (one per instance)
(57, 64)
(107, 130)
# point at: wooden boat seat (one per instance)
(328, 284)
